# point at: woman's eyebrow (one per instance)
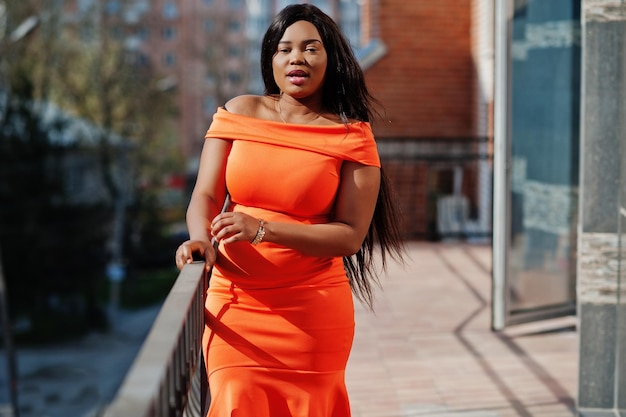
(304, 41)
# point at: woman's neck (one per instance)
(295, 111)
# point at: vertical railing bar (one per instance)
(173, 394)
(171, 391)
(190, 348)
(177, 391)
(183, 365)
(180, 375)
(174, 386)
(163, 399)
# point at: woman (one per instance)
(302, 169)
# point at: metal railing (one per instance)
(168, 377)
(443, 185)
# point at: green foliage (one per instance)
(143, 288)
(53, 252)
(55, 248)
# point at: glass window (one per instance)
(169, 59)
(210, 80)
(235, 4)
(116, 32)
(140, 6)
(234, 77)
(234, 51)
(325, 6)
(113, 6)
(280, 4)
(143, 60)
(142, 33)
(209, 25)
(542, 153)
(210, 105)
(350, 19)
(170, 10)
(169, 33)
(85, 5)
(234, 26)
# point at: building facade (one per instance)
(559, 181)
(602, 223)
(208, 51)
(198, 48)
(434, 82)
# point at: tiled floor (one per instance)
(428, 350)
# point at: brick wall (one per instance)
(427, 85)
(410, 184)
(425, 82)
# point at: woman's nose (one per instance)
(297, 57)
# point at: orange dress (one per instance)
(280, 324)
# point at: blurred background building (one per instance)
(208, 51)
(428, 64)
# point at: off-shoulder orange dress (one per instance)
(280, 324)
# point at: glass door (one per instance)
(537, 151)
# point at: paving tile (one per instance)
(428, 350)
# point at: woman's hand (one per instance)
(202, 248)
(232, 227)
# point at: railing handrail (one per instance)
(159, 382)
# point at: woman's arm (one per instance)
(343, 236)
(206, 201)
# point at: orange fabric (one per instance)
(280, 324)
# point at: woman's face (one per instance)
(300, 61)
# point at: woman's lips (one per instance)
(297, 77)
(296, 80)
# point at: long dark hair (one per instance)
(344, 90)
(344, 94)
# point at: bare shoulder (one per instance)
(245, 105)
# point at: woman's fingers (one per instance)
(226, 227)
(186, 251)
(234, 227)
(183, 256)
